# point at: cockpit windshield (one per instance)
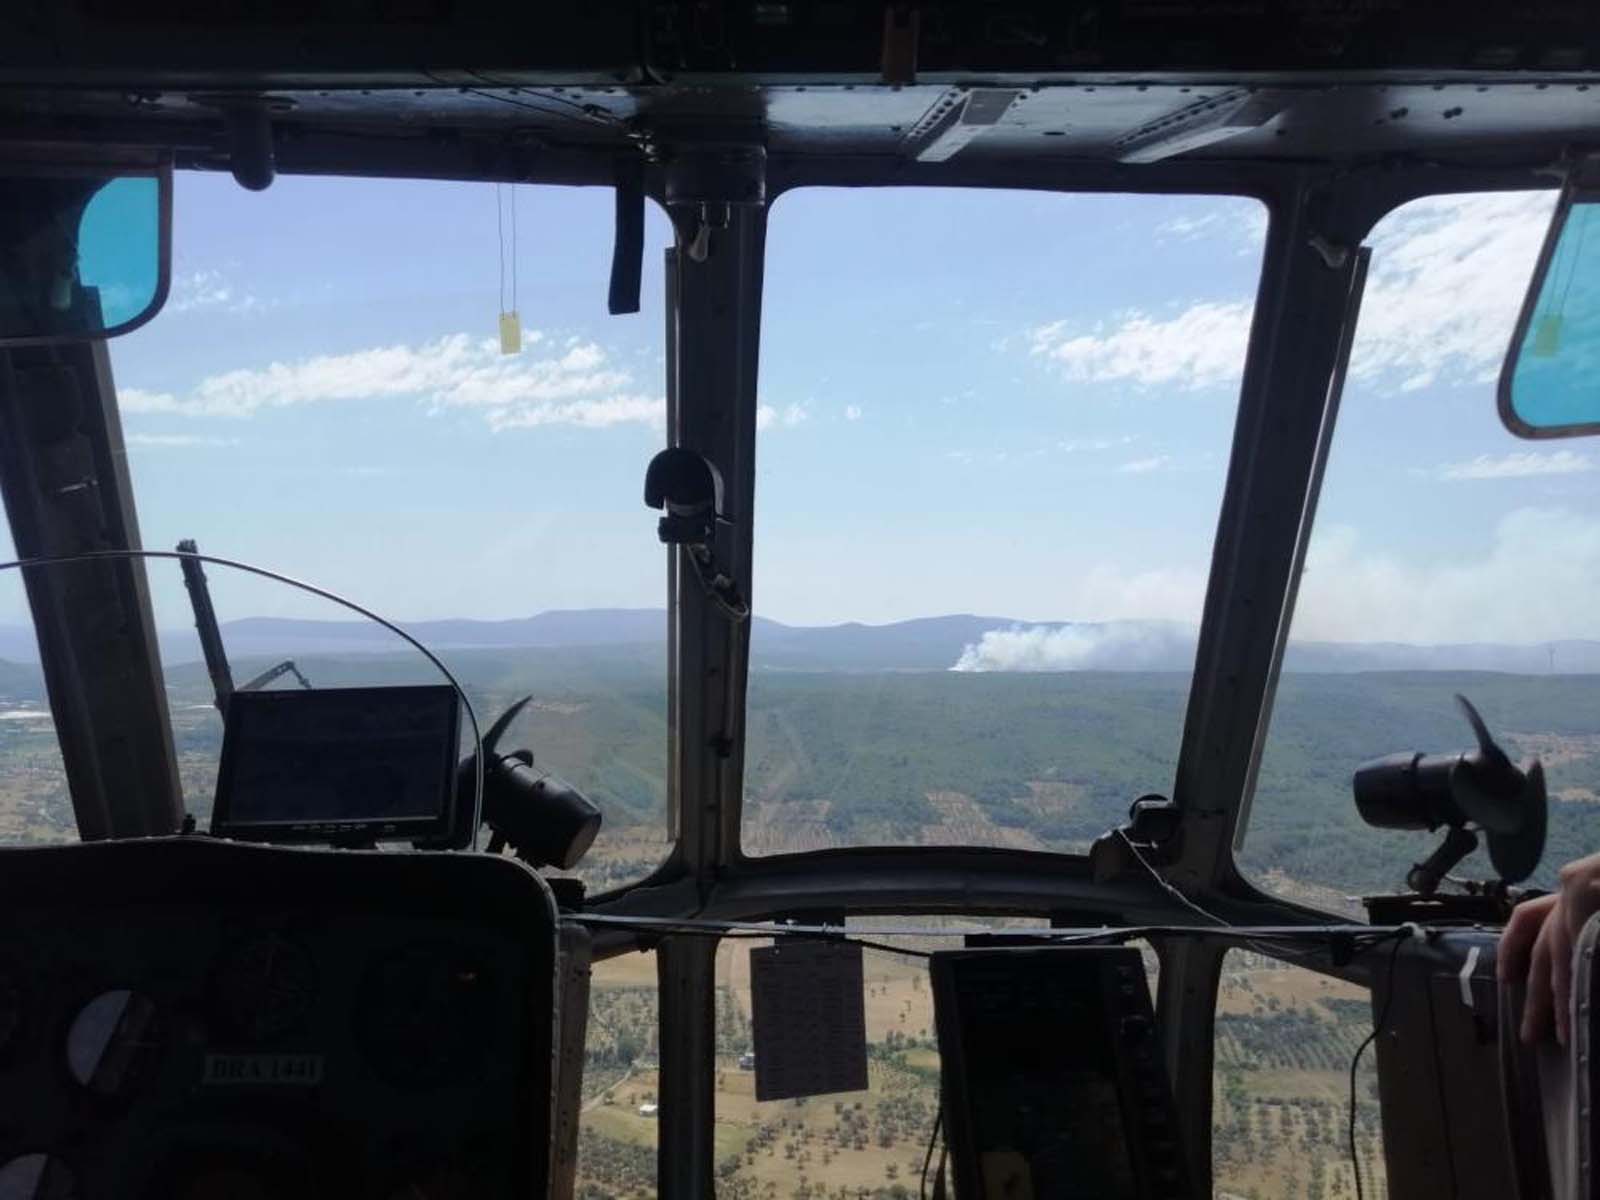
(994, 428)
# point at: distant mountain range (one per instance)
(962, 642)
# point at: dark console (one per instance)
(185, 1019)
(1053, 1079)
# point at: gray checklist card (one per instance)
(809, 1015)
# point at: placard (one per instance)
(809, 1015)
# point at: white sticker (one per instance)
(809, 1018)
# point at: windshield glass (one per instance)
(1485, 588)
(325, 395)
(993, 434)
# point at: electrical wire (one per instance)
(1400, 937)
(48, 560)
(1162, 883)
(1179, 896)
(1372, 934)
(1357, 938)
(667, 927)
(500, 241)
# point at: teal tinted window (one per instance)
(1554, 383)
(119, 248)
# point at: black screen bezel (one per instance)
(396, 829)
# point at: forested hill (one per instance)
(1054, 760)
(959, 641)
(1034, 760)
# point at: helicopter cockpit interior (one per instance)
(761, 599)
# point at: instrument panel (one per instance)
(190, 1019)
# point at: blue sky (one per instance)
(1010, 403)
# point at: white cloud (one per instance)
(1534, 580)
(1188, 228)
(207, 289)
(177, 440)
(575, 387)
(1253, 229)
(1448, 276)
(1244, 225)
(586, 414)
(1200, 347)
(1141, 466)
(852, 412)
(585, 356)
(1518, 464)
(1080, 648)
(787, 417)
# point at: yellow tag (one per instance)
(1547, 337)
(510, 333)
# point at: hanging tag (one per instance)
(1547, 336)
(510, 333)
(808, 1015)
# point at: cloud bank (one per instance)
(1202, 346)
(576, 385)
(1518, 464)
(1447, 279)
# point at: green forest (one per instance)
(837, 758)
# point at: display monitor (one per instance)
(338, 765)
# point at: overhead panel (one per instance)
(1200, 124)
(373, 41)
(958, 118)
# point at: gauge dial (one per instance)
(265, 987)
(37, 1177)
(114, 1042)
(423, 1012)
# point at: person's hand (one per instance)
(1537, 943)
